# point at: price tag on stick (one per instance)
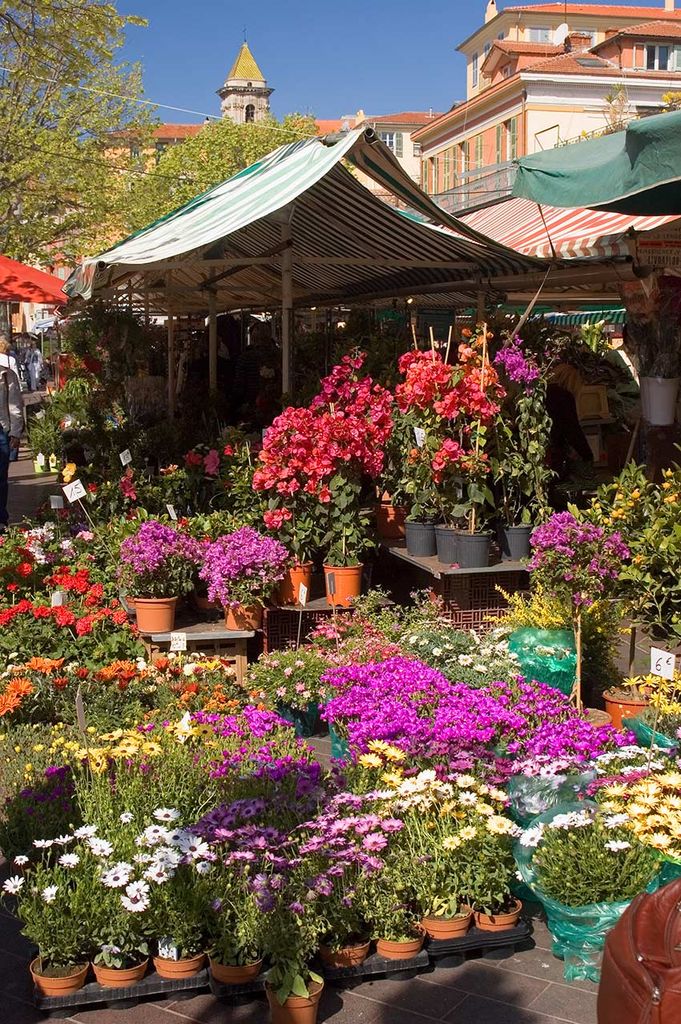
(331, 583)
(302, 595)
(80, 711)
(57, 599)
(172, 513)
(662, 663)
(74, 491)
(178, 641)
(56, 501)
(419, 436)
(125, 457)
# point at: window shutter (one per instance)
(398, 143)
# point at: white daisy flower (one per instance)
(85, 831)
(126, 817)
(166, 814)
(100, 847)
(42, 844)
(202, 867)
(117, 876)
(617, 844)
(158, 873)
(13, 885)
(194, 847)
(69, 860)
(136, 898)
(49, 893)
(63, 840)
(613, 820)
(20, 860)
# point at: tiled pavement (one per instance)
(504, 988)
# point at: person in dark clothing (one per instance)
(566, 430)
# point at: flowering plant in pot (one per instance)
(53, 903)
(295, 521)
(522, 435)
(232, 923)
(290, 681)
(647, 806)
(158, 564)
(577, 561)
(242, 570)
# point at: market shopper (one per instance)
(7, 356)
(34, 362)
(11, 429)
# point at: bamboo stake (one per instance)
(578, 645)
(482, 391)
(432, 342)
(449, 342)
(413, 334)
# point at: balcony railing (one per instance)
(478, 188)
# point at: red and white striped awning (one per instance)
(546, 231)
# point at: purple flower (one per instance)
(243, 565)
(517, 366)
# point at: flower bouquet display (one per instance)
(577, 561)
(326, 451)
(522, 434)
(585, 865)
(242, 570)
(290, 681)
(158, 565)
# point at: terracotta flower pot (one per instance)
(498, 922)
(202, 604)
(174, 969)
(289, 588)
(295, 1009)
(447, 927)
(399, 950)
(619, 709)
(390, 520)
(597, 717)
(155, 614)
(241, 616)
(348, 580)
(120, 977)
(227, 974)
(58, 986)
(347, 956)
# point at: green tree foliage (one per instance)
(62, 98)
(221, 149)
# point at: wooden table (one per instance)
(207, 638)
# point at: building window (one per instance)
(249, 113)
(500, 144)
(478, 151)
(540, 35)
(657, 58)
(501, 36)
(417, 149)
(431, 175)
(393, 140)
(475, 69)
(512, 137)
(446, 170)
(485, 50)
(464, 156)
(506, 72)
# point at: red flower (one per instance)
(63, 616)
(228, 450)
(12, 587)
(82, 672)
(92, 488)
(84, 625)
(24, 568)
(193, 459)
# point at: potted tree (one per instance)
(242, 570)
(157, 566)
(653, 317)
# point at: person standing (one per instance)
(35, 366)
(7, 358)
(11, 429)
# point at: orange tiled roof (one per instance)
(597, 10)
(569, 64)
(406, 117)
(521, 47)
(327, 127)
(648, 30)
(176, 131)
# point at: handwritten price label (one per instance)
(172, 513)
(74, 491)
(302, 595)
(662, 663)
(178, 641)
(57, 599)
(125, 457)
(419, 436)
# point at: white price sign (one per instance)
(419, 436)
(302, 594)
(56, 501)
(171, 512)
(74, 491)
(662, 663)
(178, 641)
(125, 457)
(58, 599)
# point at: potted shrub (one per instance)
(157, 566)
(522, 434)
(232, 926)
(392, 508)
(290, 681)
(627, 701)
(53, 902)
(295, 521)
(242, 570)
(177, 912)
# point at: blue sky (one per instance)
(323, 58)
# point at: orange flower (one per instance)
(44, 664)
(9, 702)
(21, 687)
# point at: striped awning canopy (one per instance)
(551, 232)
(576, 318)
(345, 243)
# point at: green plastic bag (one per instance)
(547, 655)
(340, 747)
(532, 795)
(646, 736)
(304, 720)
(578, 932)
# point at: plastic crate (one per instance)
(472, 600)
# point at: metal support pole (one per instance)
(212, 343)
(171, 353)
(286, 307)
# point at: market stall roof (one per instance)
(635, 171)
(19, 283)
(575, 317)
(345, 243)
(548, 231)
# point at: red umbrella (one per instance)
(19, 283)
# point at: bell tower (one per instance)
(245, 96)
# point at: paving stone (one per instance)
(478, 1010)
(143, 1013)
(477, 977)
(568, 1003)
(534, 963)
(414, 994)
(206, 1009)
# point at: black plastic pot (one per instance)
(515, 542)
(473, 550)
(420, 539)
(447, 544)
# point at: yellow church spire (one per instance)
(245, 66)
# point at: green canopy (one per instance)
(636, 171)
